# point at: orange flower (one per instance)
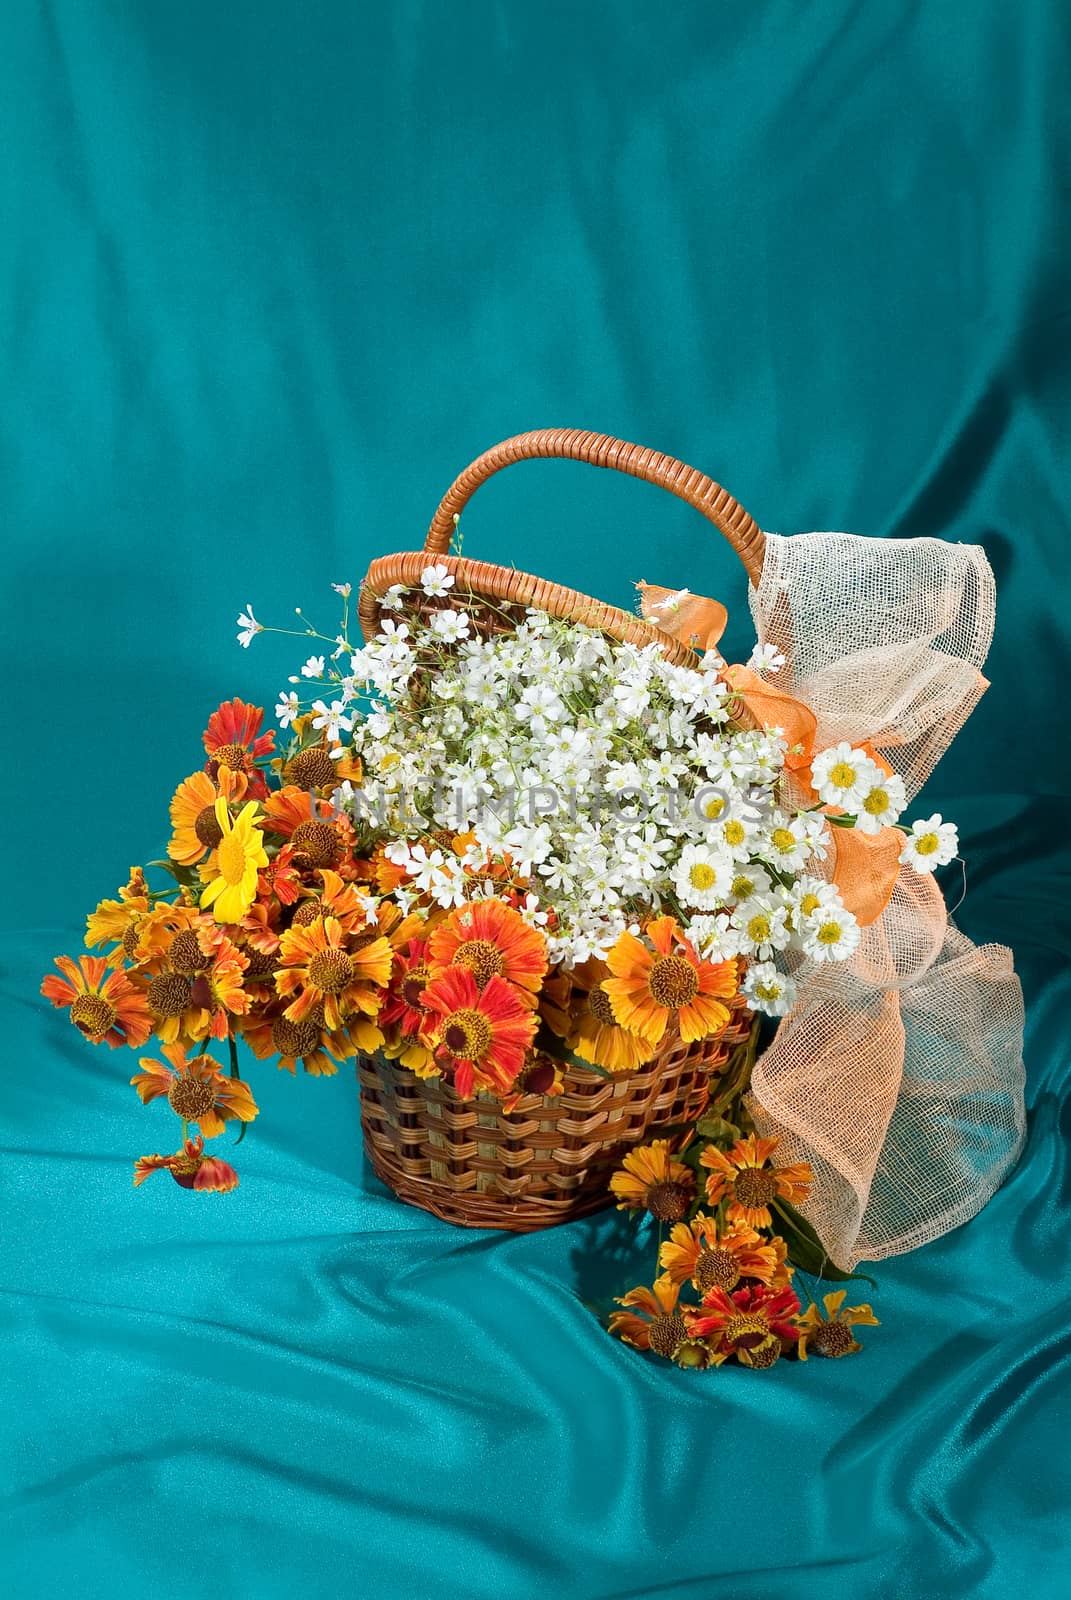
(103, 1006)
(200, 987)
(404, 1001)
(492, 940)
(650, 988)
(650, 1179)
(745, 1176)
(320, 839)
(662, 1327)
(280, 877)
(233, 740)
(190, 1168)
(341, 900)
(193, 813)
(271, 1033)
(481, 1035)
(698, 1252)
(197, 1090)
(577, 1008)
(750, 1324)
(113, 920)
(315, 965)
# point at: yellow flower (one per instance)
(831, 1335)
(237, 857)
(712, 1259)
(650, 1179)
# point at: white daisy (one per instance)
(762, 926)
(768, 990)
(842, 775)
(249, 625)
(702, 877)
(881, 805)
(748, 880)
(766, 658)
(788, 844)
(436, 580)
(831, 934)
(714, 938)
(930, 844)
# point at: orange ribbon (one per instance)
(693, 619)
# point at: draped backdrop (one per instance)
(270, 275)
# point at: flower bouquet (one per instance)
(539, 868)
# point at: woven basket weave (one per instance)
(550, 1159)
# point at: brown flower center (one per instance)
(673, 982)
(600, 1007)
(169, 994)
(746, 1329)
(468, 1035)
(308, 912)
(413, 985)
(537, 1078)
(261, 965)
(716, 1269)
(94, 1015)
(666, 1333)
(312, 769)
(832, 1339)
(207, 828)
(296, 1039)
(483, 959)
(755, 1186)
(191, 1098)
(186, 955)
(763, 1355)
(668, 1200)
(317, 844)
(330, 971)
(234, 756)
(130, 939)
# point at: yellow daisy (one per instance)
(236, 860)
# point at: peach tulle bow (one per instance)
(897, 1074)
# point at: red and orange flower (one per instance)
(481, 1035)
(492, 940)
(233, 740)
(663, 982)
(754, 1324)
(190, 1168)
(104, 1005)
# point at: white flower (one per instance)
(673, 602)
(702, 877)
(749, 880)
(249, 626)
(830, 934)
(761, 924)
(436, 580)
(632, 699)
(331, 719)
(288, 708)
(812, 897)
(930, 844)
(787, 844)
(766, 658)
(714, 938)
(393, 600)
(768, 990)
(842, 775)
(450, 626)
(881, 805)
(313, 668)
(344, 589)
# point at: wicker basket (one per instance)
(548, 1160)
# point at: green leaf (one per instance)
(717, 1129)
(805, 1250)
(186, 876)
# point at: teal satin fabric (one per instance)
(270, 275)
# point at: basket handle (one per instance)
(573, 444)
